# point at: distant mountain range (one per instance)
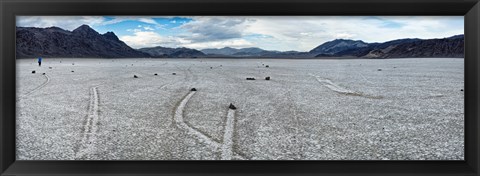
(163, 52)
(85, 42)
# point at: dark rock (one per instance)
(379, 69)
(250, 78)
(135, 76)
(267, 78)
(174, 74)
(33, 71)
(211, 67)
(193, 89)
(461, 90)
(231, 106)
(43, 73)
(72, 71)
(267, 66)
(155, 74)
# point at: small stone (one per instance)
(267, 66)
(379, 69)
(72, 71)
(193, 89)
(267, 78)
(174, 74)
(231, 106)
(250, 78)
(155, 74)
(461, 90)
(135, 76)
(211, 67)
(43, 73)
(33, 71)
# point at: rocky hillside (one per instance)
(402, 48)
(447, 47)
(81, 42)
(338, 45)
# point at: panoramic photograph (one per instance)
(240, 88)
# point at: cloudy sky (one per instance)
(282, 33)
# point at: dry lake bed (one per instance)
(310, 109)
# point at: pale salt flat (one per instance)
(311, 109)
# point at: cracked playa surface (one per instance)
(293, 116)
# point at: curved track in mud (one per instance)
(35, 89)
(90, 127)
(225, 147)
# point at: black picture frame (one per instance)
(470, 9)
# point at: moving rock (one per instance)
(231, 106)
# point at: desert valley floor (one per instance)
(310, 109)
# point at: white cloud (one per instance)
(118, 19)
(142, 39)
(207, 29)
(148, 28)
(344, 35)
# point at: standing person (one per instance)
(39, 61)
